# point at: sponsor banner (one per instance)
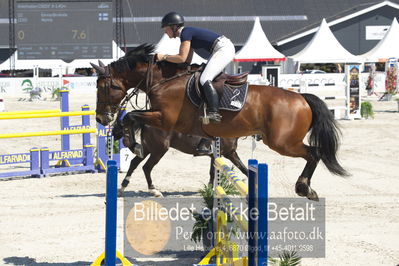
(14, 158)
(47, 85)
(353, 93)
(64, 155)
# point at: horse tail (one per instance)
(325, 135)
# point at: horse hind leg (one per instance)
(302, 186)
(235, 159)
(147, 168)
(133, 165)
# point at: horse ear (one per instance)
(100, 70)
(101, 63)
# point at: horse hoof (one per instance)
(156, 193)
(302, 189)
(312, 195)
(120, 193)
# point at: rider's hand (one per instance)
(161, 57)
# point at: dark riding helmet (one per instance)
(172, 18)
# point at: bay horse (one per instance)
(281, 117)
(156, 142)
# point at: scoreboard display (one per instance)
(64, 30)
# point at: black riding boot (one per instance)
(212, 98)
(204, 147)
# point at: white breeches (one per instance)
(223, 53)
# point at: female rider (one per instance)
(221, 51)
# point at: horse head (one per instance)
(110, 92)
(115, 79)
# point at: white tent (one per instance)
(58, 63)
(257, 47)
(324, 48)
(171, 46)
(387, 47)
(168, 45)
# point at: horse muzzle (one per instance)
(104, 119)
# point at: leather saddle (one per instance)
(232, 79)
(232, 90)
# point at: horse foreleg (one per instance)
(133, 165)
(151, 118)
(134, 121)
(212, 172)
(130, 127)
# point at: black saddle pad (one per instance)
(233, 98)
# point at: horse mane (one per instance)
(140, 54)
(143, 54)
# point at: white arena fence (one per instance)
(330, 79)
(331, 87)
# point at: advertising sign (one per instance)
(353, 91)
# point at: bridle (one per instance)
(149, 86)
(115, 108)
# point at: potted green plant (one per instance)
(55, 94)
(286, 259)
(366, 110)
(203, 221)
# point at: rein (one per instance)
(171, 78)
(149, 86)
(149, 75)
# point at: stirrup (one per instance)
(215, 117)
